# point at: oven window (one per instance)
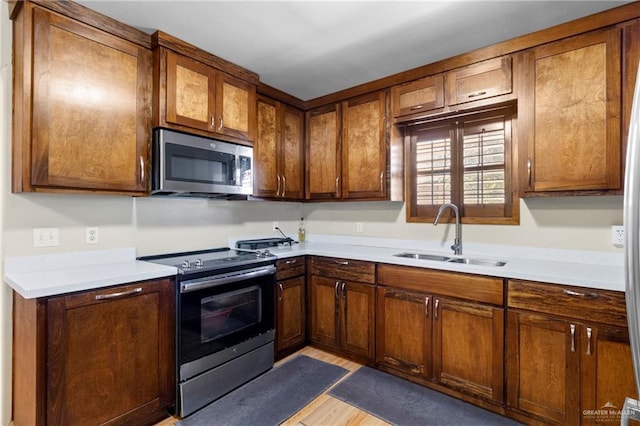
(230, 312)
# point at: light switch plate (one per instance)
(46, 237)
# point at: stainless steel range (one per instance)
(225, 321)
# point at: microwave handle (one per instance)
(237, 171)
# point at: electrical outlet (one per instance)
(617, 236)
(274, 226)
(91, 235)
(358, 226)
(46, 237)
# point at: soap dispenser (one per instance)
(301, 231)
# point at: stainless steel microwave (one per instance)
(190, 165)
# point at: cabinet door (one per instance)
(543, 367)
(607, 373)
(357, 330)
(479, 81)
(191, 91)
(323, 166)
(364, 147)
(324, 310)
(267, 180)
(90, 124)
(235, 107)
(573, 115)
(403, 331)
(290, 318)
(110, 355)
(417, 96)
(468, 347)
(291, 154)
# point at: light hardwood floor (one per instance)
(324, 410)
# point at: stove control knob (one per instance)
(186, 264)
(266, 253)
(198, 263)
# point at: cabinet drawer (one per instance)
(479, 81)
(345, 269)
(463, 286)
(290, 267)
(418, 96)
(587, 304)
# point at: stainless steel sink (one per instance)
(423, 256)
(481, 262)
(464, 260)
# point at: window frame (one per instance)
(469, 213)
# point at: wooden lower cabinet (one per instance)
(468, 346)
(568, 354)
(290, 305)
(342, 306)
(455, 343)
(403, 331)
(95, 357)
(342, 316)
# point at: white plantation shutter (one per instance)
(462, 160)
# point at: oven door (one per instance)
(223, 316)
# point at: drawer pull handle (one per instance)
(120, 294)
(281, 287)
(581, 295)
(529, 172)
(435, 309)
(588, 340)
(476, 94)
(573, 337)
(291, 262)
(415, 108)
(342, 262)
(426, 306)
(344, 292)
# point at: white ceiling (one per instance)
(312, 48)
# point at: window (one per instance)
(464, 160)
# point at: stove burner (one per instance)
(210, 260)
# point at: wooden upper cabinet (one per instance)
(417, 96)
(472, 86)
(190, 93)
(323, 153)
(194, 92)
(347, 149)
(364, 147)
(479, 81)
(81, 118)
(278, 151)
(571, 115)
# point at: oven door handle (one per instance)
(233, 277)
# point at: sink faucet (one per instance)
(457, 242)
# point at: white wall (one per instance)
(162, 225)
(582, 223)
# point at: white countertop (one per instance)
(49, 275)
(598, 270)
